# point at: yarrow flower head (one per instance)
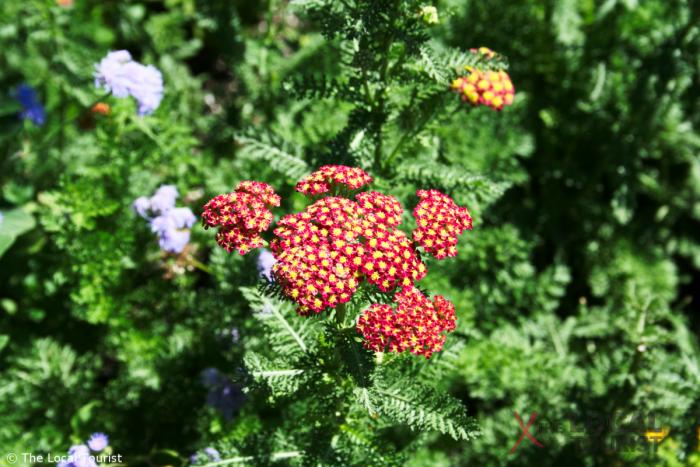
(439, 223)
(119, 74)
(416, 325)
(98, 441)
(241, 216)
(171, 224)
(344, 241)
(492, 88)
(32, 109)
(330, 176)
(318, 254)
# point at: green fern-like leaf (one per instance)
(281, 380)
(421, 408)
(288, 333)
(284, 157)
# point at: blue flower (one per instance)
(212, 454)
(183, 218)
(164, 198)
(80, 456)
(170, 223)
(174, 241)
(265, 262)
(1, 218)
(162, 224)
(98, 441)
(119, 74)
(142, 205)
(31, 108)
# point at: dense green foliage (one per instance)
(574, 292)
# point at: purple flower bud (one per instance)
(98, 441)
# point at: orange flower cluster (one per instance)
(485, 51)
(327, 176)
(491, 88)
(241, 216)
(417, 324)
(439, 222)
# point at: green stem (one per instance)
(413, 133)
(340, 312)
(380, 100)
(201, 266)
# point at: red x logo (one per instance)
(525, 431)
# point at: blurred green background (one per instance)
(575, 291)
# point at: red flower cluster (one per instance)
(325, 252)
(324, 178)
(491, 88)
(391, 260)
(381, 209)
(416, 325)
(241, 216)
(318, 254)
(439, 222)
(322, 251)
